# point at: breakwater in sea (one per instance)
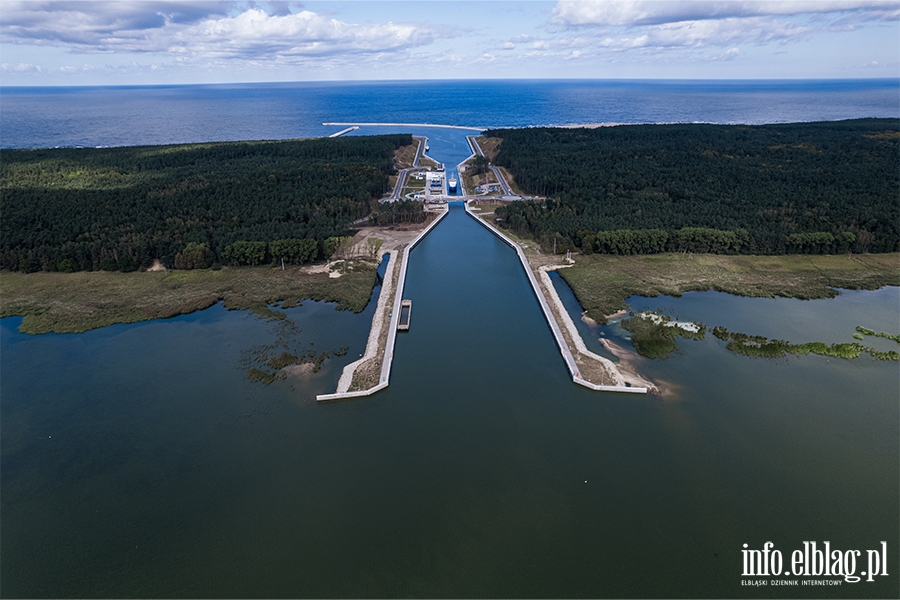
(42, 117)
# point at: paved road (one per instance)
(507, 191)
(404, 173)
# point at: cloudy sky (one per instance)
(155, 42)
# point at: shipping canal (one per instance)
(139, 460)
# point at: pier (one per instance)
(391, 295)
(405, 313)
(343, 131)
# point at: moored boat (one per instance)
(405, 314)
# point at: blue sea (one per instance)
(38, 117)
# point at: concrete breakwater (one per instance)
(435, 125)
(603, 368)
(390, 299)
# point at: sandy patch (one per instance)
(302, 370)
(668, 390)
(590, 125)
(334, 274)
(594, 368)
(657, 319)
(313, 269)
(157, 266)
(627, 366)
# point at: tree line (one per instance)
(187, 205)
(770, 189)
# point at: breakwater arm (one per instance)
(343, 131)
(584, 365)
(405, 125)
(379, 353)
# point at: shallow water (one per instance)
(138, 460)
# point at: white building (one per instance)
(434, 184)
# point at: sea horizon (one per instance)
(131, 115)
(895, 80)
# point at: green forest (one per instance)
(799, 188)
(188, 206)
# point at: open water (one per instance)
(33, 117)
(139, 460)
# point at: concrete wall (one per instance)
(564, 349)
(384, 378)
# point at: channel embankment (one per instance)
(372, 372)
(586, 368)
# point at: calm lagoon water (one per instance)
(138, 460)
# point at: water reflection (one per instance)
(138, 460)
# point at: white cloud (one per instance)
(21, 68)
(623, 25)
(201, 30)
(95, 22)
(255, 33)
(724, 32)
(650, 12)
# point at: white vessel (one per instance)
(452, 184)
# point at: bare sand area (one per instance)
(594, 368)
(590, 125)
(629, 359)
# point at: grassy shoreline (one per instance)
(602, 283)
(77, 302)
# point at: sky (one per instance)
(124, 42)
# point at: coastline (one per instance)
(602, 283)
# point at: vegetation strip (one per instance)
(187, 206)
(758, 346)
(654, 335)
(77, 302)
(800, 188)
(602, 283)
